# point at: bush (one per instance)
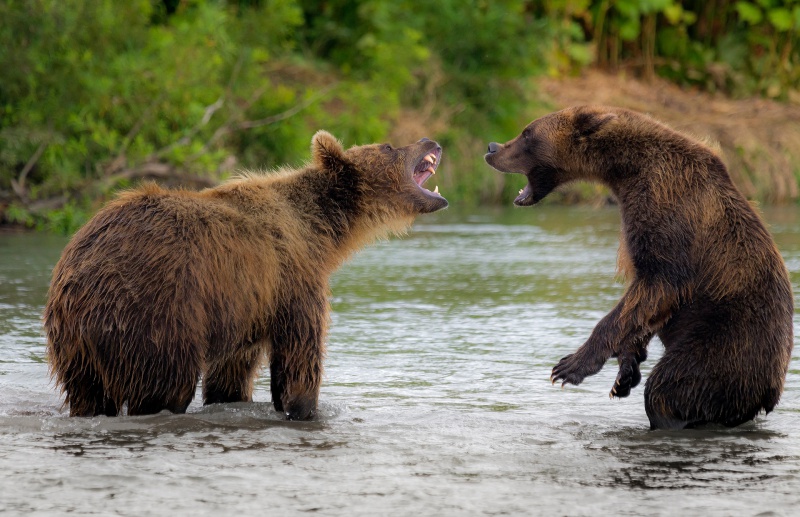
(99, 94)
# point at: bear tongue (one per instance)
(524, 193)
(422, 176)
(425, 168)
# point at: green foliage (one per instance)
(97, 81)
(741, 48)
(63, 221)
(98, 94)
(485, 49)
(94, 92)
(19, 215)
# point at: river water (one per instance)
(436, 399)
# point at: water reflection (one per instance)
(669, 460)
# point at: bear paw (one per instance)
(300, 408)
(628, 378)
(573, 369)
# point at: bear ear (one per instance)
(587, 124)
(326, 151)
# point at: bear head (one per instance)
(554, 150)
(387, 175)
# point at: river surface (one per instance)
(436, 399)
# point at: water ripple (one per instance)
(436, 398)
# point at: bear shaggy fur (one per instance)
(162, 286)
(704, 273)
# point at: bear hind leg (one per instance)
(665, 402)
(151, 405)
(84, 389)
(697, 383)
(662, 420)
(232, 380)
(277, 381)
(176, 399)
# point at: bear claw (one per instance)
(628, 377)
(573, 368)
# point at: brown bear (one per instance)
(163, 286)
(704, 273)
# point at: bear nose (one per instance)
(493, 147)
(424, 139)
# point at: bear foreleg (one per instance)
(629, 376)
(295, 391)
(624, 333)
(296, 357)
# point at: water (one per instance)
(436, 399)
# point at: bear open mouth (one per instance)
(427, 168)
(525, 197)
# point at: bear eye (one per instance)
(387, 147)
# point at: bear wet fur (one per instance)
(162, 287)
(703, 272)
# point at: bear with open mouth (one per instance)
(162, 286)
(704, 273)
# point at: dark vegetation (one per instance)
(97, 95)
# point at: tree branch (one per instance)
(187, 138)
(161, 171)
(19, 184)
(230, 126)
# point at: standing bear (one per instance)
(163, 286)
(704, 273)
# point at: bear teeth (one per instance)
(426, 168)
